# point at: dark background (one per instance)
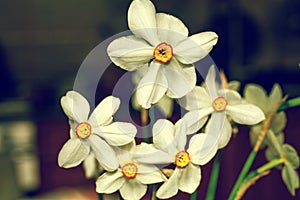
(43, 43)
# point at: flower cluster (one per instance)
(163, 54)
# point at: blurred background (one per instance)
(43, 43)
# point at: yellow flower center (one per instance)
(83, 130)
(182, 159)
(129, 170)
(220, 104)
(163, 52)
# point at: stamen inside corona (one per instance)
(220, 104)
(163, 52)
(129, 170)
(83, 130)
(182, 159)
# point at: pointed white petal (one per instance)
(190, 178)
(152, 86)
(110, 182)
(151, 177)
(195, 47)
(72, 153)
(181, 78)
(212, 85)
(102, 115)
(170, 187)
(233, 97)
(142, 20)
(75, 106)
(90, 166)
(133, 190)
(163, 136)
(245, 113)
(202, 148)
(152, 155)
(170, 29)
(196, 99)
(130, 52)
(118, 133)
(103, 153)
(225, 135)
(195, 119)
(180, 135)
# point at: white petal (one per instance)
(200, 149)
(195, 47)
(225, 134)
(196, 99)
(90, 166)
(152, 87)
(110, 182)
(170, 29)
(102, 115)
(180, 135)
(103, 153)
(151, 177)
(152, 155)
(133, 190)
(190, 178)
(195, 119)
(233, 97)
(75, 106)
(181, 78)
(211, 82)
(118, 133)
(166, 106)
(163, 136)
(245, 113)
(170, 187)
(72, 153)
(142, 20)
(130, 52)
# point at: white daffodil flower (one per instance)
(203, 101)
(132, 177)
(93, 134)
(161, 43)
(170, 141)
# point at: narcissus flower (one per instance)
(171, 142)
(94, 133)
(132, 177)
(203, 101)
(161, 43)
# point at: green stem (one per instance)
(270, 165)
(214, 177)
(243, 173)
(194, 195)
(289, 104)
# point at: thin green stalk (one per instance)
(194, 195)
(270, 165)
(289, 104)
(243, 174)
(214, 177)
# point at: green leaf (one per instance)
(291, 178)
(291, 155)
